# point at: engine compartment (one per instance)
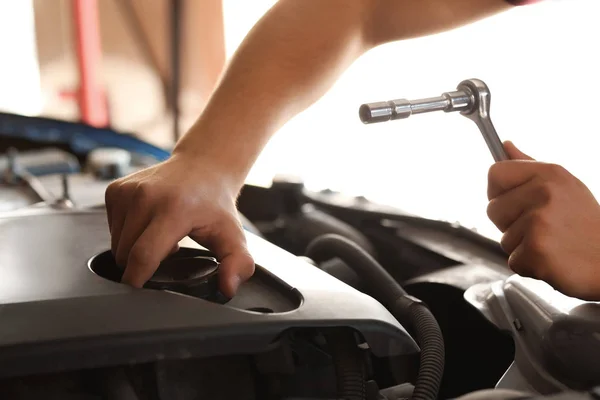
(72, 330)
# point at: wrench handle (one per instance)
(491, 138)
(479, 113)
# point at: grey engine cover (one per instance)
(57, 314)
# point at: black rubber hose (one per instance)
(403, 307)
(311, 223)
(349, 364)
(430, 339)
(375, 277)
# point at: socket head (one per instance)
(384, 111)
(480, 97)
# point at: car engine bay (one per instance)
(350, 299)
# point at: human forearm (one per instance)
(294, 54)
(286, 62)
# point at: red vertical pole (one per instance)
(92, 103)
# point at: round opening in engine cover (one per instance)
(188, 271)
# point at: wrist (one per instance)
(214, 158)
(231, 139)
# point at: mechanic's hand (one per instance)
(550, 221)
(150, 211)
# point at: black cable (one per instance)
(375, 277)
(176, 27)
(403, 307)
(349, 364)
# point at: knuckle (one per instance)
(494, 171)
(176, 202)
(537, 247)
(491, 210)
(520, 263)
(505, 244)
(556, 171)
(519, 266)
(495, 214)
(496, 176)
(111, 188)
(143, 193)
(514, 264)
(112, 191)
(248, 260)
(546, 191)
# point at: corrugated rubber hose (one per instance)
(405, 308)
(349, 364)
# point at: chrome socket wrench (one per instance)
(471, 99)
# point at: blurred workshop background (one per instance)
(540, 63)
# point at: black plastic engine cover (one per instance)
(57, 314)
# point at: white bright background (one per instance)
(541, 64)
(19, 74)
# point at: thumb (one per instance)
(514, 153)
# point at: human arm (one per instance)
(294, 54)
(550, 222)
(288, 61)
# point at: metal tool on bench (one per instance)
(471, 99)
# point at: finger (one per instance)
(235, 269)
(520, 262)
(506, 175)
(136, 222)
(150, 248)
(118, 215)
(515, 234)
(228, 243)
(505, 209)
(108, 203)
(120, 205)
(514, 153)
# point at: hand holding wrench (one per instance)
(471, 98)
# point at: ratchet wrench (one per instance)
(471, 98)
